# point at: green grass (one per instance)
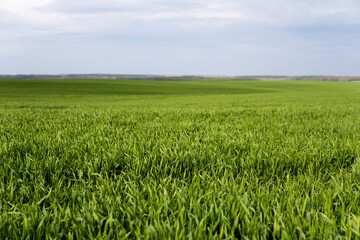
(105, 159)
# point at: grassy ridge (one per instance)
(125, 87)
(197, 159)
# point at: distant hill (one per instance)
(307, 78)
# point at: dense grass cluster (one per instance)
(197, 160)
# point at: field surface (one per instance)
(106, 159)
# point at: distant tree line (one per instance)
(184, 77)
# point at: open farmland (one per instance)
(105, 159)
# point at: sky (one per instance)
(180, 37)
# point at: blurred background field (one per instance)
(137, 94)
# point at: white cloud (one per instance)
(20, 14)
(21, 5)
(98, 15)
(194, 28)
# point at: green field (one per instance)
(106, 159)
